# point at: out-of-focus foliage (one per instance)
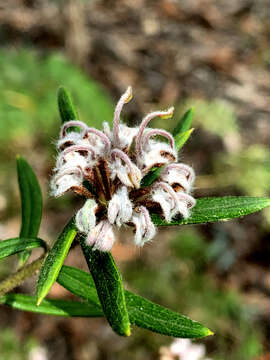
(11, 348)
(28, 88)
(217, 116)
(248, 169)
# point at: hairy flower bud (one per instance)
(86, 216)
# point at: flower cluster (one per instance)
(106, 167)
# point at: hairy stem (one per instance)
(21, 275)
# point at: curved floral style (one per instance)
(106, 167)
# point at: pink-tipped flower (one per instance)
(106, 167)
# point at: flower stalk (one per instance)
(21, 275)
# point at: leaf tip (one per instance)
(39, 300)
(62, 94)
(65, 105)
(209, 332)
(192, 110)
(61, 90)
(128, 331)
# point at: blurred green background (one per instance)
(185, 54)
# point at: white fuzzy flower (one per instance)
(179, 176)
(101, 237)
(166, 202)
(145, 229)
(127, 134)
(71, 158)
(106, 167)
(86, 216)
(123, 168)
(66, 178)
(120, 207)
(158, 154)
(70, 139)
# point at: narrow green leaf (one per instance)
(214, 209)
(151, 176)
(151, 316)
(184, 123)
(50, 306)
(54, 261)
(31, 204)
(80, 283)
(181, 138)
(15, 245)
(65, 105)
(142, 312)
(109, 288)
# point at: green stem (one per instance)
(21, 275)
